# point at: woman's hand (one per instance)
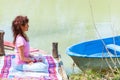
(30, 63)
(28, 60)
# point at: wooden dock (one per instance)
(57, 57)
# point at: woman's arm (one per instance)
(21, 54)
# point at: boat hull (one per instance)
(96, 63)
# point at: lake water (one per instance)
(64, 21)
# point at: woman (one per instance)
(21, 42)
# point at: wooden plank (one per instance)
(58, 59)
(61, 69)
(9, 44)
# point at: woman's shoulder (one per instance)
(20, 40)
(19, 37)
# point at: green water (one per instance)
(64, 21)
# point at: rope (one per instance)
(114, 32)
(93, 21)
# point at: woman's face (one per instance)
(25, 28)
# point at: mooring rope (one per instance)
(93, 21)
(113, 32)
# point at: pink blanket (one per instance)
(7, 72)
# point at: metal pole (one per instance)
(2, 52)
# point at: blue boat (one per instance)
(96, 54)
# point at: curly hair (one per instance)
(16, 27)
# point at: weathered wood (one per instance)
(58, 59)
(61, 69)
(9, 45)
(2, 52)
(55, 49)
